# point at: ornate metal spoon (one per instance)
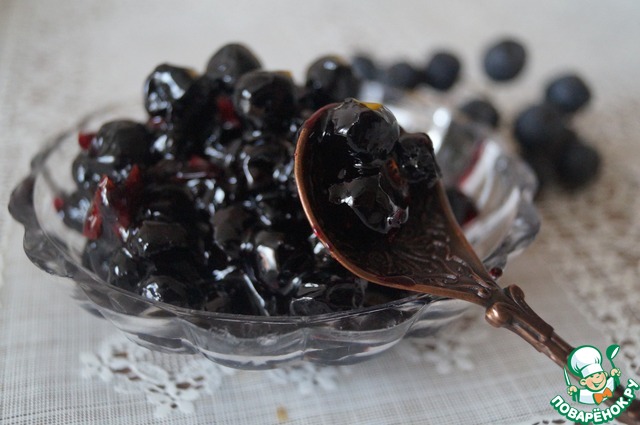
(428, 253)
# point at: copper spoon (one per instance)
(428, 254)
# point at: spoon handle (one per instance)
(506, 308)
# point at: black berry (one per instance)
(169, 290)
(569, 93)
(504, 60)
(230, 63)
(331, 79)
(442, 71)
(578, 164)
(364, 67)
(164, 86)
(540, 128)
(416, 158)
(402, 75)
(266, 100)
(370, 130)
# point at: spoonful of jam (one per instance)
(373, 195)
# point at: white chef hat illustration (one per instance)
(585, 361)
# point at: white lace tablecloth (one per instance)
(59, 365)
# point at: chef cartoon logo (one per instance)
(595, 386)
(586, 363)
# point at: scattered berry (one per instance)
(402, 75)
(364, 67)
(504, 60)
(578, 164)
(442, 71)
(568, 93)
(540, 128)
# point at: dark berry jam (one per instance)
(198, 207)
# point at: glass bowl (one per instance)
(471, 158)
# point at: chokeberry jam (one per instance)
(198, 207)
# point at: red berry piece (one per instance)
(85, 139)
(58, 203)
(228, 115)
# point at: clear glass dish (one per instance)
(472, 159)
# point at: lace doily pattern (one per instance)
(132, 370)
(593, 239)
(173, 384)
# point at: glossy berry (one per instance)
(195, 117)
(540, 128)
(154, 237)
(364, 67)
(164, 86)
(167, 202)
(504, 60)
(371, 199)
(442, 71)
(266, 100)
(231, 62)
(402, 75)
(231, 227)
(569, 93)
(95, 257)
(74, 209)
(280, 210)
(266, 164)
(233, 292)
(120, 143)
(125, 271)
(578, 164)
(169, 290)
(416, 158)
(330, 79)
(481, 111)
(325, 291)
(370, 130)
(278, 257)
